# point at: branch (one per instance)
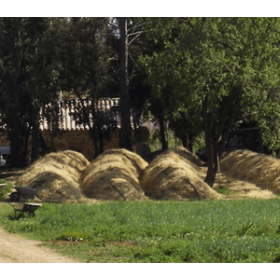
(137, 35)
(139, 25)
(134, 39)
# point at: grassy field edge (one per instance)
(235, 231)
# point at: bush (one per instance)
(6, 189)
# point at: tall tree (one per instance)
(85, 60)
(224, 66)
(27, 80)
(125, 132)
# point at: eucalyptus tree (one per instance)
(138, 94)
(221, 68)
(131, 43)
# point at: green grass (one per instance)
(173, 142)
(225, 191)
(155, 144)
(194, 232)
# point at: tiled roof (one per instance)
(70, 113)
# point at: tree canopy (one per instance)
(218, 67)
(200, 74)
(28, 78)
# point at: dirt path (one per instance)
(15, 249)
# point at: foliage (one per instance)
(199, 232)
(28, 77)
(84, 57)
(40, 56)
(225, 190)
(209, 56)
(6, 189)
(84, 73)
(219, 70)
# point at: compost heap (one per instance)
(56, 176)
(114, 175)
(259, 169)
(175, 174)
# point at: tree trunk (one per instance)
(211, 153)
(97, 138)
(210, 143)
(100, 139)
(125, 140)
(16, 158)
(94, 137)
(35, 133)
(45, 149)
(189, 142)
(164, 143)
(184, 140)
(26, 137)
(95, 130)
(229, 110)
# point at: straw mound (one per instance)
(240, 188)
(135, 160)
(172, 175)
(258, 169)
(114, 175)
(56, 176)
(75, 159)
(185, 154)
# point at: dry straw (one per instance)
(129, 158)
(241, 189)
(187, 155)
(174, 174)
(56, 176)
(114, 175)
(259, 169)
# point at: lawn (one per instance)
(231, 231)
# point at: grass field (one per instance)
(168, 231)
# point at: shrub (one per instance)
(5, 189)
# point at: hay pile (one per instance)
(259, 169)
(129, 158)
(240, 188)
(174, 174)
(114, 175)
(56, 176)
(185, 154)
